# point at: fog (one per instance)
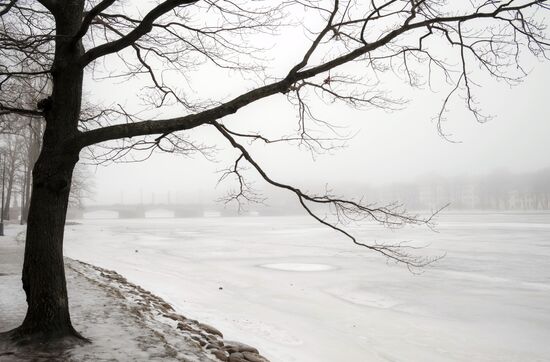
(387, 147)
(409, 136)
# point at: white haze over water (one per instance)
(300, 292)
(388, 147)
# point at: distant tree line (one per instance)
(19, 148)
(496, 191)
(20, 145)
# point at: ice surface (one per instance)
(299, 267)
(487, 300)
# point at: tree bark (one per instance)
(43, 269)
(47, 317)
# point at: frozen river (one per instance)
(300, 292)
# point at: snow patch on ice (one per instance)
(273, 333)
(365, 298)
(299, 267)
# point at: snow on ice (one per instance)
(300, 292)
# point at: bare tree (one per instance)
(81, 186)
(32, 144)
(11, 159)
(19, 151)
(53, 43)
(21, 143)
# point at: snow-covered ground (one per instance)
(300, 292)
(124, 322)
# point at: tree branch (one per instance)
(144, 27)
(346, 211)
(49, 4)
(20, 111)
(316, 42)
(179, 123)
(90, 16)
(7, 7)
(282, 86)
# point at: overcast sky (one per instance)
(388, 147)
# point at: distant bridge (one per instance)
(138, 211)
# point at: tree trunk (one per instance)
(24, 191)
(9, 188)
(12, 156)
(47, 317)
(34, 145)
(43, 269)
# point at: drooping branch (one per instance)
(245, 192)
(344, 210)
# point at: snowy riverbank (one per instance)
(124, 321)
